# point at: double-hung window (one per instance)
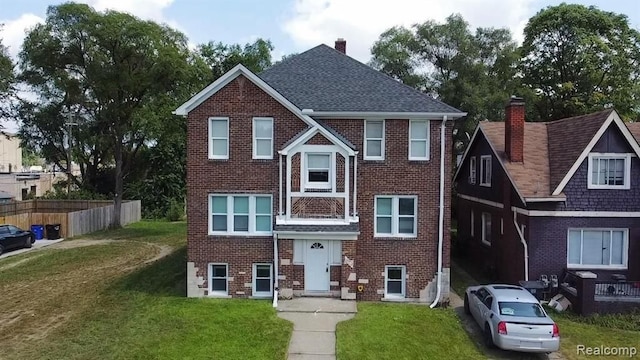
(396, 216)
(597, 248)
(240, 214)
(262, 138)
(262, 280)
(374, 140)
(394, 284)
(486, 228)
(218, 279)
(485, 170)
(318, 171)
(609, 171)
(472, 170)
(218, 138)
(418, 140)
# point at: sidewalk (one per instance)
(314, 326)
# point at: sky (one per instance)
(294, 26)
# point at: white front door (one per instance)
(316, 266)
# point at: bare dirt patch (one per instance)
(39, 301)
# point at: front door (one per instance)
(316, 266)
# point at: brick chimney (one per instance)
(514, 129)
(341, 45)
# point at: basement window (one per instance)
(218, 279)
(395, 284)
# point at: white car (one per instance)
(511, 318)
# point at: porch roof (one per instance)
(304, 228)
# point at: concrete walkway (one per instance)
(36, 245)
(314, 325)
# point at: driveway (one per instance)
(475, 333)
(37, 245)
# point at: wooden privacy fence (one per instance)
(75, 217)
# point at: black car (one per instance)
(12, 237)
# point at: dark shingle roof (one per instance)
(354, 227)
(323, 79)
(635, 130)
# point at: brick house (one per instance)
(542, 198)
(319, 176)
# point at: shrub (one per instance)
(175, 211)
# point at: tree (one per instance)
(474, 72)
(7, 80)
(580, 59)
(221, 58)
(108, 69)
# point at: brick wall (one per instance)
(241, 100)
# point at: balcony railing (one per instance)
(317, 208)
(621, 289)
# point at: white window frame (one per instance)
(230, 215)
(483, 170)
(625, 249)
(366, 141)
(315, 184)
(256, 138)
(403, 279)
(213, 156)
(395, 216)
(426, 140)
(610, 156)
(486, 240)
(473, 223)
(256, 293)
(211, 291)
(472, 170)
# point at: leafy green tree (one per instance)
(221, 58)
(474, 72)
(7, 81)
(580, 59)
(108, 69)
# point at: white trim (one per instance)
(210, 278)
(426, 140)
(473, 170)
(311, 132)
(613, 118)
(395, 216)
(255, 138)
(318, 194)
(300, 235)
(366, 140)
(472, 216)
(382, 115)
(283, 220)
(329, 184)
(481, 201)
(238, 70)
(546, 199)
(254, 279)
(483, 171)
(609, 156)
(403, 279)
(212, 156)
(493, 149)
(601, 214)
(625, 249)
(484, 228)
(252, 215)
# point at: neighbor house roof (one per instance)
(323, 79)
(553, 150)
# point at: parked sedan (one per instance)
(511, 318)
(12, 237)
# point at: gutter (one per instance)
(441, 215)
(524, 246)
(275, 270)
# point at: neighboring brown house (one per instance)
(318, 176)
(539, 199)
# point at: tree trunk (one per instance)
(117, 199)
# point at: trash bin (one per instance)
(536, 288)
(53, 231)
(38, 231)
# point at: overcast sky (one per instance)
(297, 25)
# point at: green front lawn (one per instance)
(403, 331)
(104, 302)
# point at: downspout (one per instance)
(524, 245)
(275, 270)
(441, 215)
